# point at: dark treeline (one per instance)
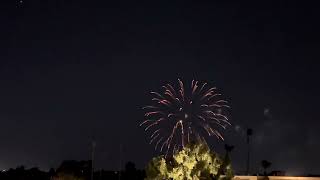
(81, 170)
(73, 170)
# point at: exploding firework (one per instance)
(180, 115)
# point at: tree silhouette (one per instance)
(228, 148)
(226, 168)
(130, 172)
(130, 167)
(51, 172)
(265, 164)
(76, 168)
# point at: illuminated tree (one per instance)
(193, 162)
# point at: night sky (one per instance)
(74, 70)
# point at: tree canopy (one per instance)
(193, 162)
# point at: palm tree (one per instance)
(228, 148)
(227, 159)
(265, 164)
(226, 163)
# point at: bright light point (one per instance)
(266, 111)
(186, 116)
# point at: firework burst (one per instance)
(183, 114)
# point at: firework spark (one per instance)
(180, 115)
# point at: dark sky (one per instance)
(71, 70)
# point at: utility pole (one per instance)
(249, 133)
(120, 161)
(92, 158)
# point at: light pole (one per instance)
(92, 158)
(249, 133)
(120, 161)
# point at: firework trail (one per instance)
(183, 114)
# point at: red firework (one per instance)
(180, 115)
